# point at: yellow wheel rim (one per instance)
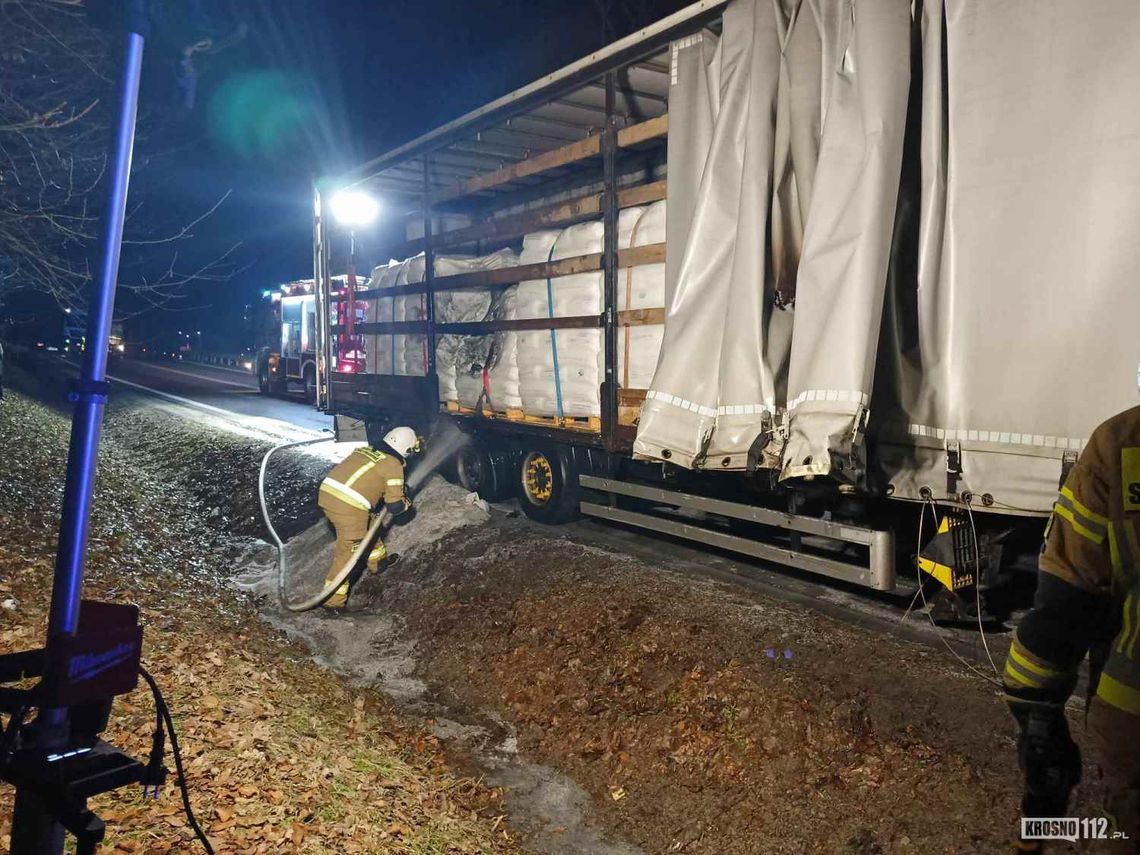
(538, 478)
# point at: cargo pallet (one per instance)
(590, 424)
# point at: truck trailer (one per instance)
(840, 285)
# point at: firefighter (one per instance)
(1087, 602)
(367, 477)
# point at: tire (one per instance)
(546, 484)
(478, 471)
(263, 378)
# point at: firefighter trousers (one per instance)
(351, 526)
(1114, 737)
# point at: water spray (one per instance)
(445, 442)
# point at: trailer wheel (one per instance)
(547, 485)
(477, 472)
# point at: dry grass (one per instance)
(281, 755)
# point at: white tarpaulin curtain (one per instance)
(800, 107)
(843, 269)
(716, 376)
(1022, 333)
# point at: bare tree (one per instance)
(622, 16)
(56, 73)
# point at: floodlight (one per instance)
(353, 208)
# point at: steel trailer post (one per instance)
(609, 266)
(325, 284)
(429, 284)
(350, 287)
(320, 289)
(34, 831)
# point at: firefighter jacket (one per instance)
(363, 480)
(1089, 589)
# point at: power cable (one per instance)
(978, 589)
(9, 733)
(926, 605)
(163, 714)
(381, 519)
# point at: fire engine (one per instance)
(286, 338)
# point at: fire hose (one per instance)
(344, 572)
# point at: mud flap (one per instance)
(949, 556)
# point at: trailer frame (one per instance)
(588, 148)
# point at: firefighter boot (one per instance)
(341, 554)
(377, 557)
(389, 560)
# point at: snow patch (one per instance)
(367, 646)
(372, 648)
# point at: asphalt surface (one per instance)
(228, 389)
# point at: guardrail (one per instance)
(242, 361)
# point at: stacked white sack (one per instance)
(642, 287)
(460, 358)
(579, 352)
(503, 364)
(410, 350)
(378, 348)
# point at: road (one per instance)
(215, 388)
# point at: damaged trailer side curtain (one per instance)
(1021, 332)
(847, 242)
(782, 190)
(716, 375)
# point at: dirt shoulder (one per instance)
(282, 756)
(704, 718)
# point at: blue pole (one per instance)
(89, 396)
(34, 831)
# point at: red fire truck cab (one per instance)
(286, 338)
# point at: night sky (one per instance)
(314, 86)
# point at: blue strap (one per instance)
(554, 334)
(392, 338)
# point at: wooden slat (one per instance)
(589, 147)
(385, 328)
(651, 254)
(635, 256)
(631, 318)
(578, 322)
(643, 194)
(567, 154)
(641, 317)
(643, 131)
(560, 214)
(632, 397)
(510, 275)
(478, 280)
(630, 402)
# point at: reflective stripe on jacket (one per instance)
(1093, 543)
(364, 479)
